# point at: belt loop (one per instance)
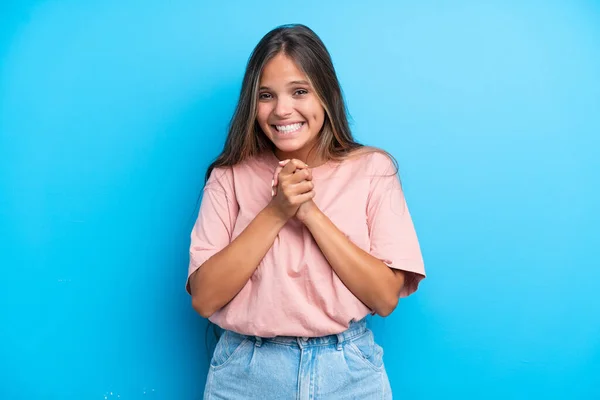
(300, 342)
(257, 341)
(340, 340)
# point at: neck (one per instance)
(309, 157)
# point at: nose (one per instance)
(283, 108)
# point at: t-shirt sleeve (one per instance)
(216, 220)
(391, 230)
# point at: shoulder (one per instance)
(249, 169)
(220, 177)
(374, 161)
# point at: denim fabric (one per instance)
(345, 366)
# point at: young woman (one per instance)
(301, 234)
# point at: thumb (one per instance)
(275, 180)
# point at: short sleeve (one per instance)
(216, 219)
(391, 230)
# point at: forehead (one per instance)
(280, 70)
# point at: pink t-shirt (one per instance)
(294, 291)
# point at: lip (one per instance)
(284, 135)
(288, 123)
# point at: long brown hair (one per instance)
(246, 139)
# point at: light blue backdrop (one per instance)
(110, 112)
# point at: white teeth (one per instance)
(288, 128)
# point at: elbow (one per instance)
(387, 306)
(202, 307)
(391, 294)
(200, 304)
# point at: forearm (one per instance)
(222, 276)
(367, 277)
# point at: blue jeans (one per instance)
(345, 366)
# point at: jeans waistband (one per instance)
(354, 330)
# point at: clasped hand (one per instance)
(293, 190)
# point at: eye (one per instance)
(300, 92)
(264, 96)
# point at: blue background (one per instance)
(110, 112)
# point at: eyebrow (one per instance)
(289, 84)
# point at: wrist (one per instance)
(273, 213)
(311, 216)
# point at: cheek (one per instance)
(262, 114)
(316, 112)
(319, 115)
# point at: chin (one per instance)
(288, 147)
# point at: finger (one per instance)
(303, 198)
(297, 189)
(288, 167)
(292, 165)
(310, 176)
(299, 175)
(275, 180)
(303, 187)
(278, 170)
(299, 164)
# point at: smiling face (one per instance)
(289, 111)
